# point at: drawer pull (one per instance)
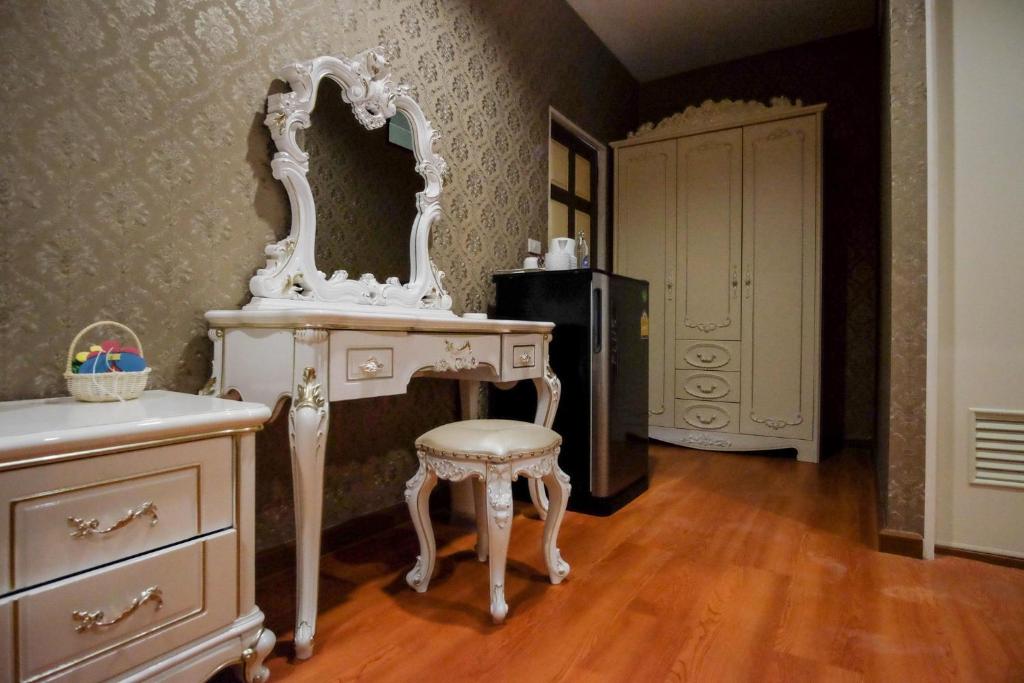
(525, 358)
(88, 527)
(372, 366)
(705, 389)
(705, 420)
(90, 620)
(706, 359)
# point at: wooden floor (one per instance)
(730, 568)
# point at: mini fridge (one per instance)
(599, 351)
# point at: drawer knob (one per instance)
(88, 621)
(710, 358)
(372, 366)
(525, 358)
(705, 419)
(705, 389)
(89, 527)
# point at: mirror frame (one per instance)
(291, 278)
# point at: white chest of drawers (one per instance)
(126, 540)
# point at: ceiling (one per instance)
(657, 38)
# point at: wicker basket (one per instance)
(105, 386)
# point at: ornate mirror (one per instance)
(292, 276)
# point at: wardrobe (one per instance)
(719, 209)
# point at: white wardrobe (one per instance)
(719, 208)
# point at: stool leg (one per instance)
(480, 501)
(417, 495)
(499, 526)
(557, 483)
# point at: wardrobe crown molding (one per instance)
(711, 115)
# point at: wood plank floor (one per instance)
(730, 568)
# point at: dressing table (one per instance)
(317, 338)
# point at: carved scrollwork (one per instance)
(704, 441)
(707, 326)
(536, 469)
(499, 494)
(290, 277)
(308, 393)
(777, 423)
(448, 470)
(711, 113)
(458, 358)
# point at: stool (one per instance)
(493, 453)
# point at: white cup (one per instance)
(556, 260)
(530, 263)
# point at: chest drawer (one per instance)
(522, 356)
(706, 415)
(708, 385)
(707, 355)
(72, 516)
(94, 626)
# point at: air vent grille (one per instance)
(999, 448)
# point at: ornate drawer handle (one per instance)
(706, 359)
(705, 420)
(525, 358)
(89, 527)
(705, 389)
(90, 620)
(372, 366)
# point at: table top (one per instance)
(53, 426)
(411, 321)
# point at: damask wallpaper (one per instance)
(904, 300)
(135, 181)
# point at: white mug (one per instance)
(530, 263)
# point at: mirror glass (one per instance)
(364, 187)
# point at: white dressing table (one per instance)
(318, 338)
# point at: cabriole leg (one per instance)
(499, 527)
(253, 670)
(557, 483)
(417, 496)
(549, 392)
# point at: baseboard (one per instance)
(906, 543)
(282, 557)
(989, 558)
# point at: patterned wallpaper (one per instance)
(135, 181)
(903, 333)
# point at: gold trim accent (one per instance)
(83, 528)
(90, 620)
(39, 460)
(197, 466)
(308, 394)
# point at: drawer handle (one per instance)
(90, 620)
(525, 358)
(705, 420)
(372, 366)
(706, 359)
(88, 527)
(705, 389)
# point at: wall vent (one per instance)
(998, 447)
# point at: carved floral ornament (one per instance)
(291, 277)
(711, 113)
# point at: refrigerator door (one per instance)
(619, 384)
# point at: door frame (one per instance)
(600, 257)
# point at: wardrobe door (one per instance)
(709, 225)
(780, 214)
(645, 221)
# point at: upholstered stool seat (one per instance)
(492, 453)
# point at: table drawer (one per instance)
(707, 355)
(94, 626)
(708, 385)
(707, 416)
(73, 516)
(522, 356)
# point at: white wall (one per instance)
(978, 115)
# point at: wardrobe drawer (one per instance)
(94, 626)
(707, 355)
(72, 516)
(709, 416)
(708, 385)
(522, 356)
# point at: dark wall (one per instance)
(844, 73)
